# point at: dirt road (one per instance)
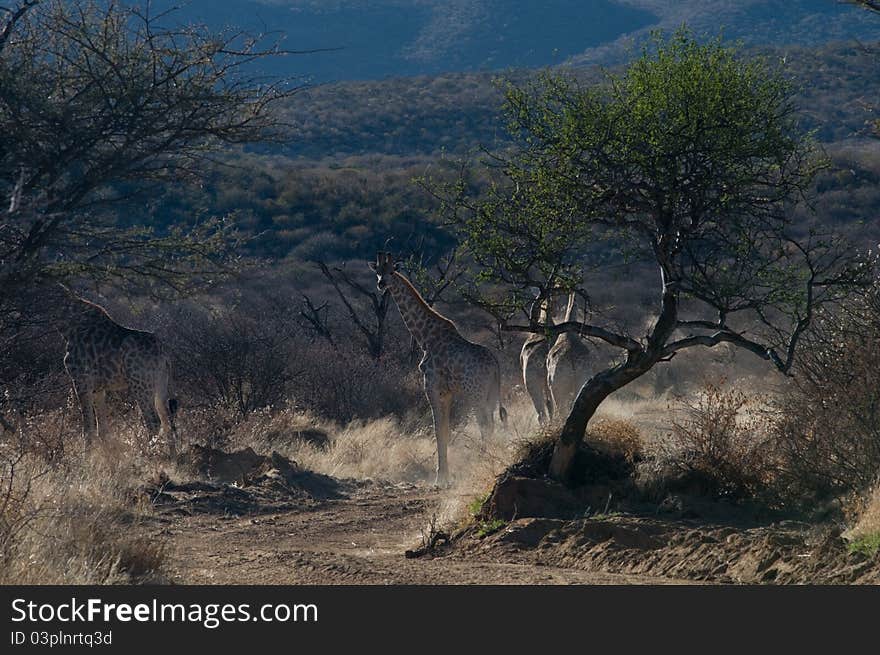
(357, 536)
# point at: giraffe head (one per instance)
(384, 267)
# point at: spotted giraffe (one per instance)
(454, 368)
(568, 365)
(533, 361)
(101, 356)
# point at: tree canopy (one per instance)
(99, 100)
(688, 165)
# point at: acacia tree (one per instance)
(682, 169)
(99, 101)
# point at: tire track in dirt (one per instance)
(357, 538)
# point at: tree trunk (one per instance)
(602, 385)
(591, 395)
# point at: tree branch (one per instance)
(15, 16)
(618, 340)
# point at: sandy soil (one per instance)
(237, 536)
(244, 518)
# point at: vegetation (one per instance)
(864, 537)
(829, 429)
(98, 102)
(868, 545)
(490, 527)
(692, 163)
(721, 442)
(689, 161)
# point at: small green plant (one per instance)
(490, 527)
(603, 516)
(476, 505)
(868, 544)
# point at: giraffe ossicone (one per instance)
(454, 369)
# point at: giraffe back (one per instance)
(112, 356)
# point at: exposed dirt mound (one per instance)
(238, 467)
(782, 553)
(608, 520)
(245, 468)
(602, 476)
(241, 482)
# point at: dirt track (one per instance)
(245, 518)
(359, 537)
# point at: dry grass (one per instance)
(719, 443)
(387, 448)
(864, 536)
(650, 415)
(69, 519)
(618, 437)
(392, 450)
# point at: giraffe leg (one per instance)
(536, 392)
(485, 412)
(441, 406)
(553, 392)
(547, 396)
(162, 404)
(144, 399)
(486, 423)
(85, 399)
(90, 423)
(99, 402)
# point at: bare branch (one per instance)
(375, 336)
(15, 15)
(584, 329)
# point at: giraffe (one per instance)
(453, 368)
(533, 361)
(101, 355)
(567, 365)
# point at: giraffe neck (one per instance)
(545, 310)
(569, 310)
(427, 326)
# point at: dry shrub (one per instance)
(345, 383)
(616, 436)
(383, 448)
(210, 425)
(864, 536)
(829, 416)
(69, 520)
(719, 446)
(240, 358)
(285, 430)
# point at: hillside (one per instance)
(458, 112)
(342, 186)
(391, 38)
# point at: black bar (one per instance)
(451, 618)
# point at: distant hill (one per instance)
(457, 113)
(343, 185)
(391, 38)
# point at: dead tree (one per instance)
(378, 303)
(315, 318)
